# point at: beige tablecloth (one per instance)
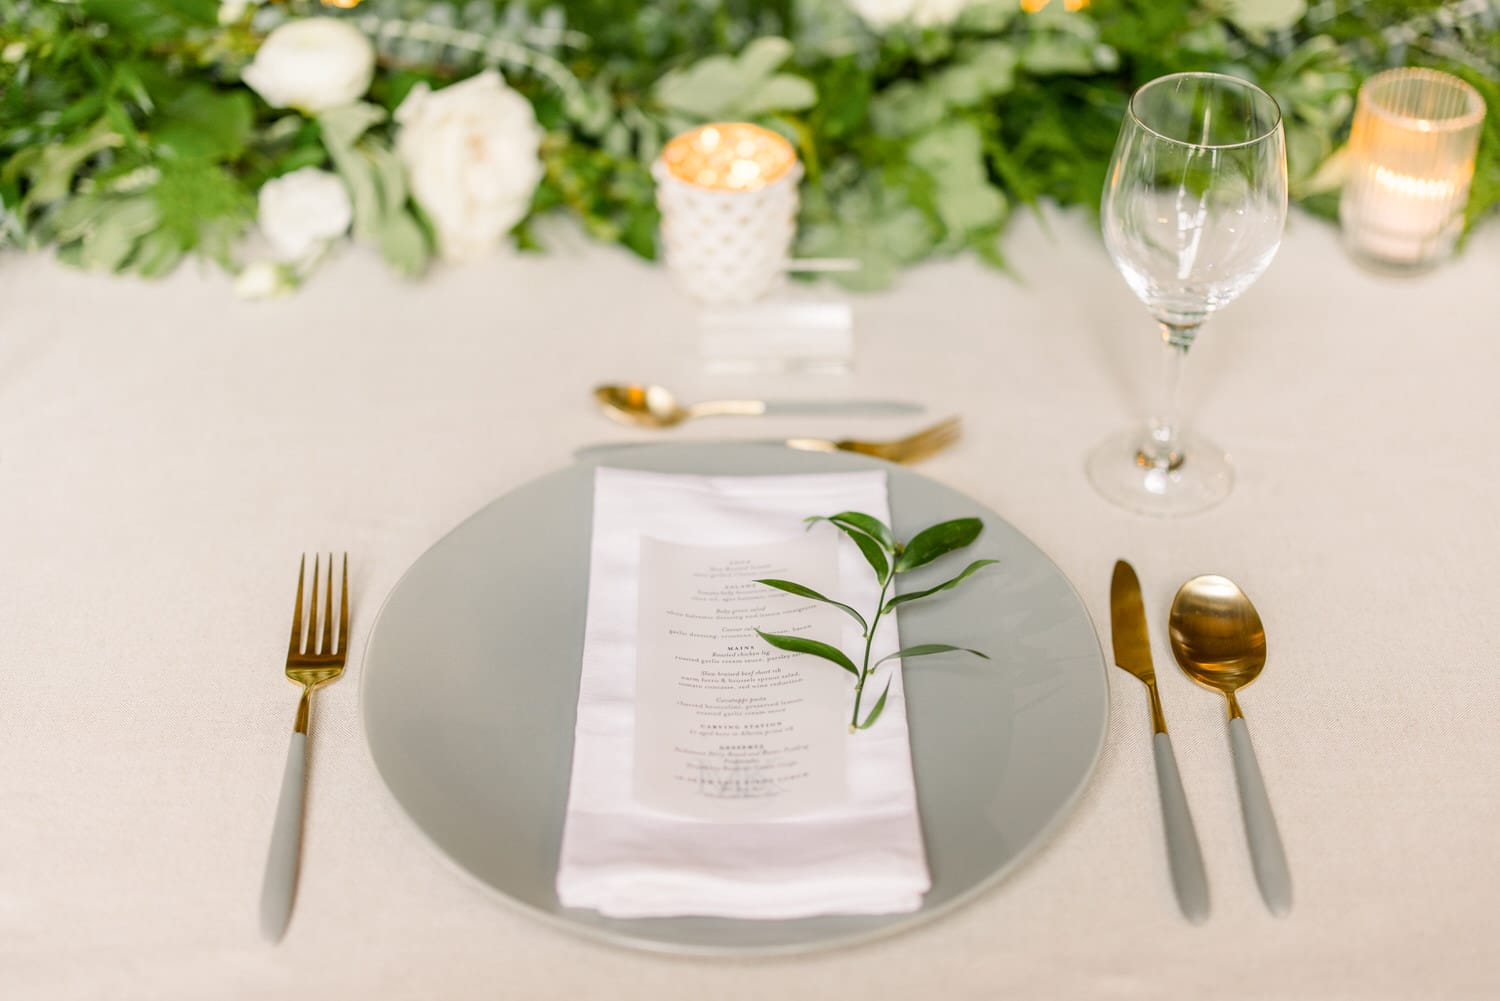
(167, 451)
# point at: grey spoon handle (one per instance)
(850, 408)
(1266, 853)
(280, 886)
(1183, 854)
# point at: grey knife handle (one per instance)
(280, 886)
(851, 408)
(1266, 853)
(1183, 854)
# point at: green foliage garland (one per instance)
(128, 141)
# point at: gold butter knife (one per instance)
(1132, 643)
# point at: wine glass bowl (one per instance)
(1194, 207)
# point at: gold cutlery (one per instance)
(1219, 642)
(909, 449)
(656, 407)
(1132, 643)
(311, 661)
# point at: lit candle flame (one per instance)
(729, 156)
(1032, 6)
(1413, 187)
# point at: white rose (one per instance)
(263, 280)
(470, 152)
(882, 14)
(301, 210)
(312, 65)
(233, 11)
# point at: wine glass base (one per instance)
(1201, 478)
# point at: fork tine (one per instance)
(344, 609)
(926, 442)
(328, 612)
(312, 611)
(296, 646)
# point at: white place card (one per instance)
(727, 726)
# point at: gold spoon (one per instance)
(654, 406)
(1219, 642)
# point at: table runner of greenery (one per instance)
(128, 138)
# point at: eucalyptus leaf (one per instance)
(903, 599)
(404, 244)
(343, 126)
(783, 92)
(763, 56)
(801, 644)
(807, 592)
(939, 540)
(53, 170)
(1264, 15)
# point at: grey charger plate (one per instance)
(470, 685)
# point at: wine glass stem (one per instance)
(1162, 447)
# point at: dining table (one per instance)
(169, 451)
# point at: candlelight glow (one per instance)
(1413, 187)
(729, 156)
(1032, 6)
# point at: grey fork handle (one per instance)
(1266, 854)
(608, 447)
(1183, 854)
(852, 408)
(280, 887)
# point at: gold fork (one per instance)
(909, 449)
(310, 662)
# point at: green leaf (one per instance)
(359, 175)
(783, 92)
(798, 644)
(404, 244)
(902, 599)
(112, 234)
(205, 123)
(1264, 15)
(926, 650)
(874, 555)
(939, 540)
(343, 126)
(878, 708)
(807, 592)
(156, 255)
(868, 524)
(154, 19)
(725, 87)
(870, 534)
(52, 172)
(201, 203)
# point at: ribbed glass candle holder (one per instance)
(1411, 156)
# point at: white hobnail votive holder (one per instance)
(727, 248)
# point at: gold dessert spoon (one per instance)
(1219, 642)
(655, 407)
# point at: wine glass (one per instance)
(1193, 212)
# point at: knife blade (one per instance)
(1132, 644)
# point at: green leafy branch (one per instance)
(888, 558)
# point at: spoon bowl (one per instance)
(1216, 634)
(643, 405)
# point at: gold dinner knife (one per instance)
(1127, 620)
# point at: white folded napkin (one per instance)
(864, 856)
